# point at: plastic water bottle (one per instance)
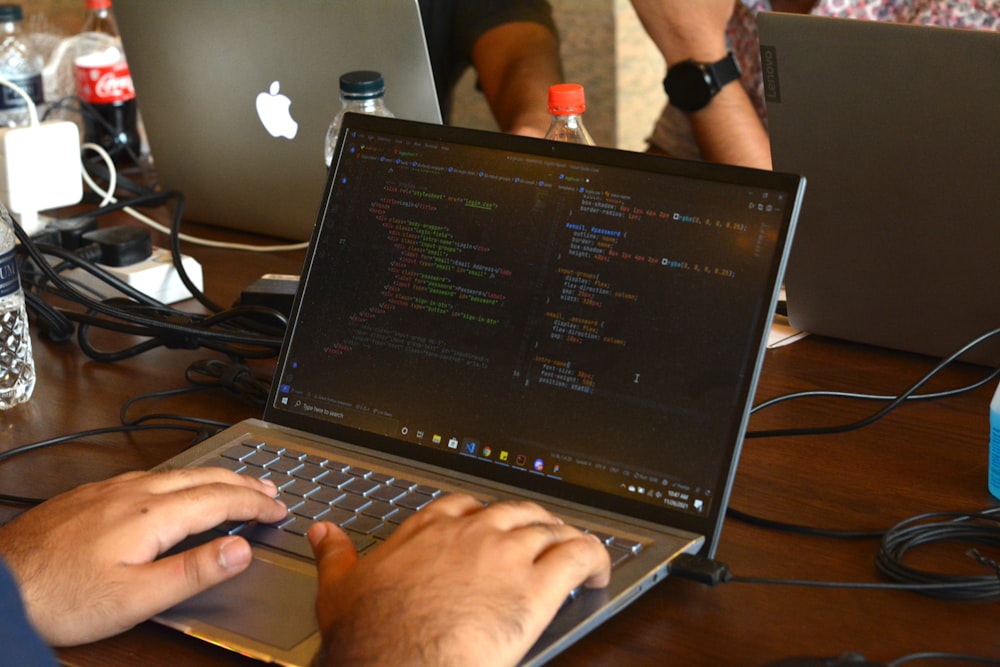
(362, 91)
(104, 82)
(567, 103)
(993, 476)
(20, 64)
(17, 366)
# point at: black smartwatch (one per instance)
(691, 85)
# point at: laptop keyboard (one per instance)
(367, 504)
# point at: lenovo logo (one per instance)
(769, 71)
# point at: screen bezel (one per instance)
(708, 524)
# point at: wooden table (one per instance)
(927, 456)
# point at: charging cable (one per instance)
(109, 198)
(139, 315)
(30, 103)
(974, 530)
(894, 401)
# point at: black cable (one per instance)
(54, 324)
(24, 449)
(932, 396)
(162, 198)
(955, 528)
(189, 336)
(76, 104)
(235, 377)
(798, 529)
(976, 529)
(123, 413)
(253, 320)
(892, 405)
(894, 401)
(941, 589)
(176, 257)
(28, 501)
(139, 315)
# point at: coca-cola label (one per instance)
(9, 283)
(29, 84)
(106, 84)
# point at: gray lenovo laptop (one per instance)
(236, 96)
(512, 318)
(896, 128)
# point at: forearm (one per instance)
(516, 64)
(686, 29)
(729, 130)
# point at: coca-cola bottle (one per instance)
(103, 82)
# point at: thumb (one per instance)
(199, 568)
(334, 551)
(335, 557)
(173, 579)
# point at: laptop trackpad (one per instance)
(267, 603)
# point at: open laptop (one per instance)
(200, 67)
(512, 318)
(895, 126)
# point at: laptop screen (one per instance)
(568, 319)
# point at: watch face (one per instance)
(689, 86)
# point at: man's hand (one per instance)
(457, 584)
(86, 560)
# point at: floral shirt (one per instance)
(672, 132)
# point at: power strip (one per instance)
(155, 277)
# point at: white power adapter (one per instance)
(40, 169)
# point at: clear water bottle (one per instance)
(993, 474)
(567, 104)
(19, 64)
(361, 92)
(17, 366)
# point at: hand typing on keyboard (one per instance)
(457, 583)
(86, 561)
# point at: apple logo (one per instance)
(273, 111)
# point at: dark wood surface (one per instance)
(923, 457)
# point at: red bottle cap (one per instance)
(567, 98)
(98, 4)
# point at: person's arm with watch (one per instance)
(703, 79)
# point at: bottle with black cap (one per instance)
(361, 91)
(21, 65)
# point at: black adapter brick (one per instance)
(122, 246)
(275, 291)
(71, 230)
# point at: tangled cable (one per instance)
(977, 529)
(239, 332)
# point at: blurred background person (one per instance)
(732, 126)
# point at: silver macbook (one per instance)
(236, 96)
(512, 318)
(895, 126)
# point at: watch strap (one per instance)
(690, 85)
(724, 71)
